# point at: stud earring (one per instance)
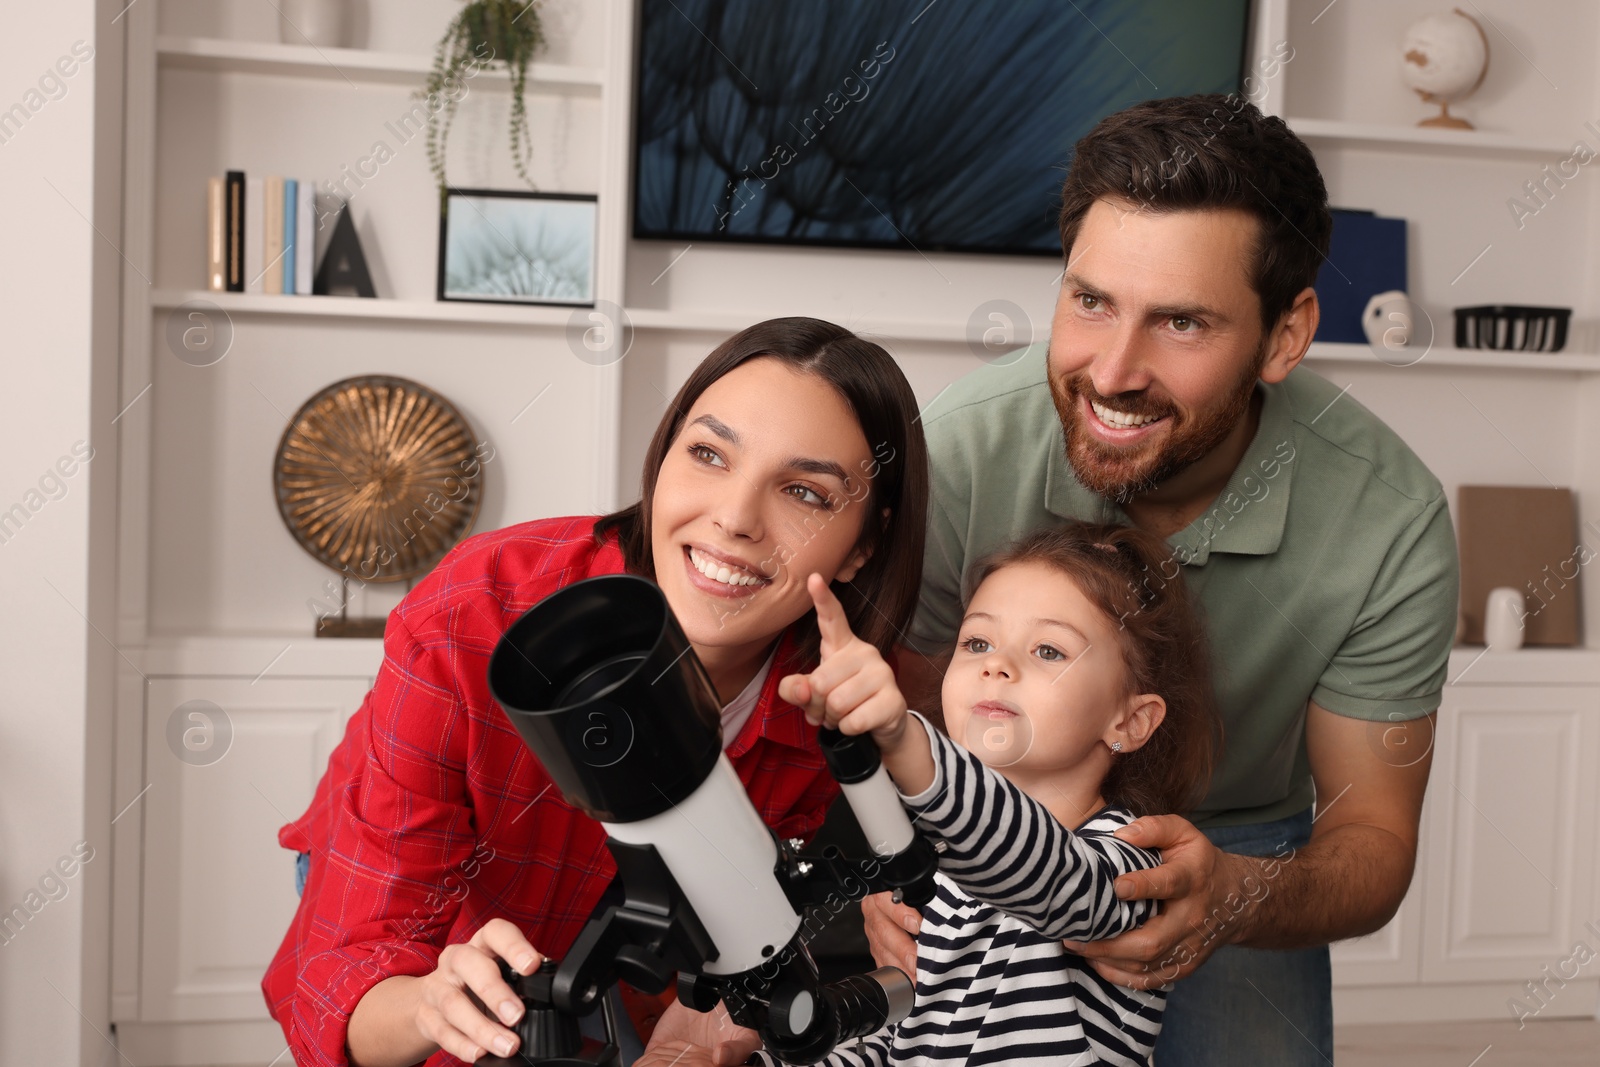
(1116, 746)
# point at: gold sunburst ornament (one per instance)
(377, 477)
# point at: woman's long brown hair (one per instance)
(881, 598)
(1132, 577)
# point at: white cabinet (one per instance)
(218, 891)
(1506, 868)
(1511, 869)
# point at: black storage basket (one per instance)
(1509, 327)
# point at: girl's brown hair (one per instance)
(880, 599)
(1134, 579)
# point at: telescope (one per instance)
(604, 688)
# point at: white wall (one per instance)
(58, 299)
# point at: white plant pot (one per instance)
(323, 23)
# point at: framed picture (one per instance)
(514, 247)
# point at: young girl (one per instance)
(1088, 691)
(437, 843)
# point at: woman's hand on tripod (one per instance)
(440, 1005)
(447, 1015)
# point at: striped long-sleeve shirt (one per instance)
(994, 983)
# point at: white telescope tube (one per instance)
(877, 807)
(718, 849)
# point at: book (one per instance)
(235, 236)
(1366, 255)
(290, 194)
(305, 241)
(272, 235)
(253, 204)
(216, 234)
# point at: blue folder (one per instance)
(1367, 255)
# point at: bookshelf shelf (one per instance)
(718, 322)
(184, 654)
(1571, 362)
(350, 307)
(1466, 142)
(355, 65)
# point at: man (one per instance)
(1319, 545)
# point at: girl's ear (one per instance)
(1139, 719)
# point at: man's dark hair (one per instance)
(1211, 151)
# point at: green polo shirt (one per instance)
(1326, 569)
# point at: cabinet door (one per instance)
(218, 889)
(1513, 829)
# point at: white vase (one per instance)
(1502, 619)
(319, 22)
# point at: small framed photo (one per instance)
(515, 247)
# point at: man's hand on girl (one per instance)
(445, 1013)
(680, 1054)
(853, 689)
(1196, 882)
(690, 1037)
(891, 931)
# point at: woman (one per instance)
(438, 843)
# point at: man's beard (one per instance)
(1120, 474)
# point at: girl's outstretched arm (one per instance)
(1005, 848)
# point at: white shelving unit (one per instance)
(1515, 729)
(214, 598)
(213, 595)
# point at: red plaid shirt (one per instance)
(434, 817)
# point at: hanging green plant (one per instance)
(486, 32)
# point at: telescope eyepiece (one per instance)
(599, 681)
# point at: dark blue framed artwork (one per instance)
(897, 123)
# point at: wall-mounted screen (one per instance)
(897, 123)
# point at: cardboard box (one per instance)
(1526, 538)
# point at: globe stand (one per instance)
(1443, 120)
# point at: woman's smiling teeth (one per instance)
(721, 572)
(1113, 417)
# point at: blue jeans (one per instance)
(1249, 1005)
(302, 865)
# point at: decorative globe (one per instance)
(1444, 58)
